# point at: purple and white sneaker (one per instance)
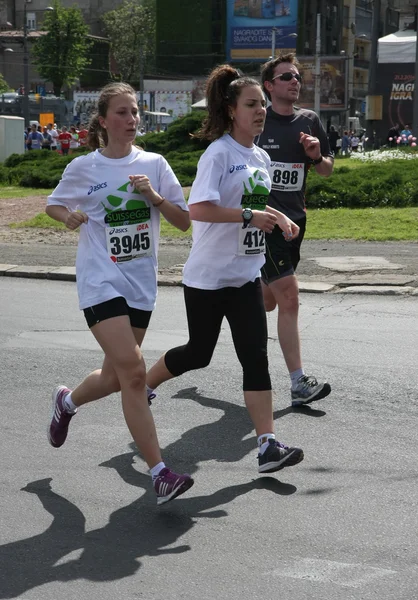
(169, 485)
(60, 419)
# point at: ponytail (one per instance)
(97, 136)
(223, 88)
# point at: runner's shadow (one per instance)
(225, 440)
(112, 552)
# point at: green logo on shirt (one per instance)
(125, 210)
(255, 192)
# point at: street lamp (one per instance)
(273, 39)
(26, 114)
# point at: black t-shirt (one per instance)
(289, 163)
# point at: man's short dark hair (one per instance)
(267, 70)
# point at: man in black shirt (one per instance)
(296, 141)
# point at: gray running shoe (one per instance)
(309, 390)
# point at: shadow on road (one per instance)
(66, 552)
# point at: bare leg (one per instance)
(102, 382)
(286, 294)
(269, 300)
(260, 408)
(158, 374)
(118, 342)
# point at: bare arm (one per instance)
(209, 212)
(72, 220)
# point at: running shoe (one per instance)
(308, 390)
(169, 485)
(277, 456)
(60, 419)
(151, 396)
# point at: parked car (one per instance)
(9, 97)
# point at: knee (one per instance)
(289, 301)
(111, 382)
(186, 358)
(132, 376)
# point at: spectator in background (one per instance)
(345, 144)
(355, 140)
(54, 135)
(405, 133)
(46, 139)
(333, 137)
(64, 139)
(35, 139)
(82, 135)
(74, 138)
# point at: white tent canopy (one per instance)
(398, 47)
(200, 104)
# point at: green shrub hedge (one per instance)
(392, 183)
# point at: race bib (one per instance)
(286, 177)
(251, 241)
(126, 242)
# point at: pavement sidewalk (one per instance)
(347, 267)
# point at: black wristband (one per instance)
(317, 161)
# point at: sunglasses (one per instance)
(288, 76)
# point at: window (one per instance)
(31, 21)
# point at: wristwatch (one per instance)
(317, 161)
(247, 215)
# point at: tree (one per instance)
(131, 30)
(61, 54)
(4, 86)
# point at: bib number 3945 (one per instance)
(127, 242)
(251, 241)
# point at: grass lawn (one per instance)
(368, 224)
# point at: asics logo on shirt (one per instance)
(237, 168)
(94, 188)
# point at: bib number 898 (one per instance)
(140, 242)
(285, 177)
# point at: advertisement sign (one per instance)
(396, 82)
(85, 104)
(250, 25)
(175, 104)
(333, 92)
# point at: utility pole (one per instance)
(373, 103)
(141, 84)
(26, 114)
(317, 96)
(273, 43)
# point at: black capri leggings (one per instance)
(244, 309)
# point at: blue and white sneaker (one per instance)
(309, 390)
(277, 456)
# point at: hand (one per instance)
(263, 220)
(311, 145)
(75, 219)
(142, 184)
(289, 229)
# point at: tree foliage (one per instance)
(4, 86)
(61, 55)
(131, 30)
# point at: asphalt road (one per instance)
(81, 521)
(174, 253)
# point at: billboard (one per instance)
(333, 86)
(250, 25)
(396, 82)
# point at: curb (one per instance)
(172, 278)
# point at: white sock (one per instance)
(150, 391)
(155, 471)
(69, 404)
(295, 375)
(263, 441)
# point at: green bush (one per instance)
(393, 183)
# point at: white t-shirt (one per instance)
(54, 135)
(118, 247)
(225, 254)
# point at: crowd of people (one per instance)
(247, 208)
(346, 141)
(50, 137)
